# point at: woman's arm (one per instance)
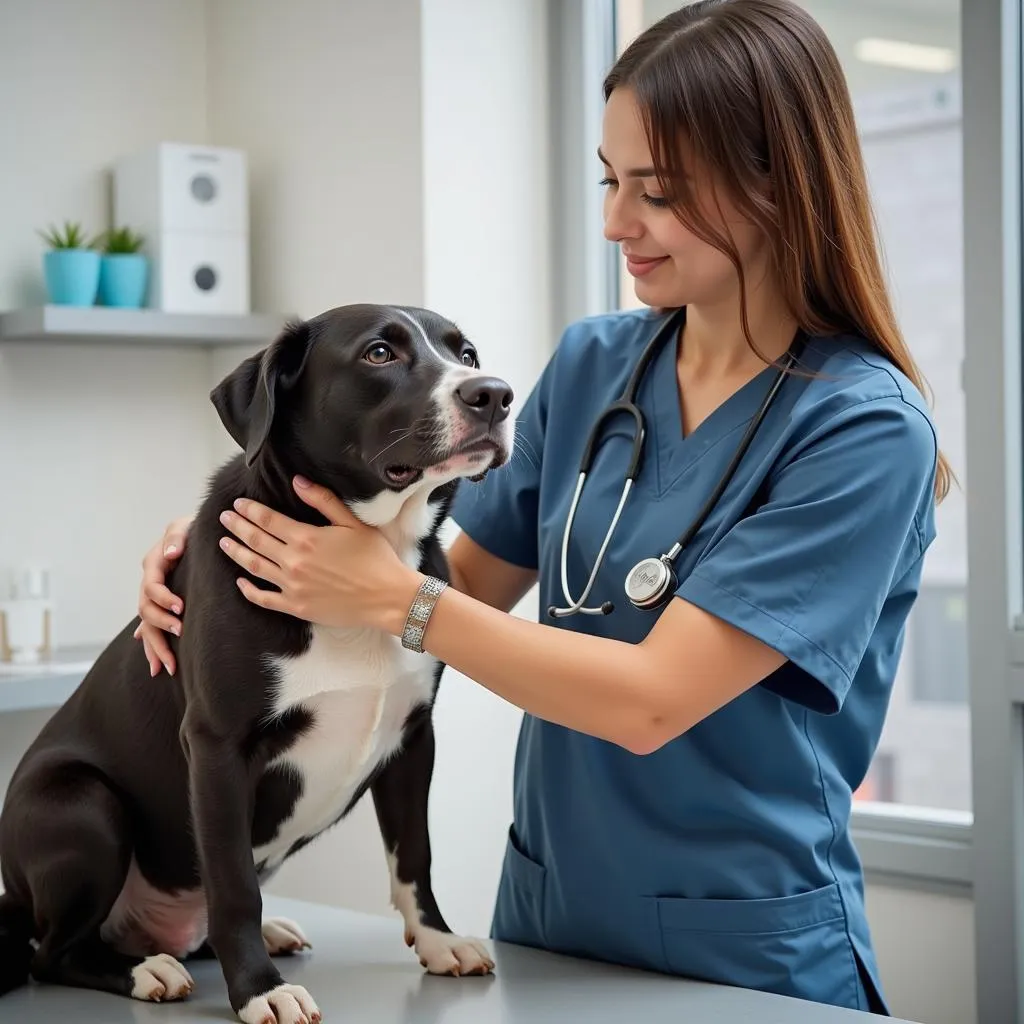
(636, 695)
(639, 696)
(474, 571)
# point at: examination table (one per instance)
(360, 972)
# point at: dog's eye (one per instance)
(469, 358)
(379, 353)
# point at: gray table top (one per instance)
(361, 972)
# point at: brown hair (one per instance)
(758, 92)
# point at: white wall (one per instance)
(336, 183)
(323, 96)
(925, 948)
(414, 183)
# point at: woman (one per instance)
(684, 775)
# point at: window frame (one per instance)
(581, 49)
(993, 169)
(977, 854)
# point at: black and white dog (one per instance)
(140, 824)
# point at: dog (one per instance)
(143, 820)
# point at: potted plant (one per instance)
(124, 269)
(71, 267)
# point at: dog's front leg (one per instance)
(222, 808)
(400, 796)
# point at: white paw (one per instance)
(444, 953)
(281, 935)
(160, 978)
(286, 1004)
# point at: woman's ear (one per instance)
(246, 399)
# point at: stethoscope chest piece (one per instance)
(649, 582)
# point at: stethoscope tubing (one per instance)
(656, 580)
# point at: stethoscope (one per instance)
(650, 582)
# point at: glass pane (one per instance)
(902, 61)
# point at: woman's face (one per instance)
(671, 266)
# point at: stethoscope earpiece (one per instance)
(651, 581)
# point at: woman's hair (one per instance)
(756, 91)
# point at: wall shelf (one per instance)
(90, 324)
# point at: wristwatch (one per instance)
(420, 611)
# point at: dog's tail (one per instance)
(15, 943)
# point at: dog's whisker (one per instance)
(528, 454)
(414, 425)
(519, 452)
(520, 438)
(398, 440)
(403, 432)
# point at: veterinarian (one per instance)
(684, 775)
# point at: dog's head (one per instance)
(369, 399)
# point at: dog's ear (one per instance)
(246, 399)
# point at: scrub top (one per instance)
(726, 854)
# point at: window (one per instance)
(880, 784)
(938, 646)
(901, 58)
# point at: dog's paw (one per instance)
(281, 936)
(445, 953)
(160, 979)
(286, 1004)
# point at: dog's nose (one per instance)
(486, 397)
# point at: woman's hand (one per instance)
(158, 607)
(346, 574)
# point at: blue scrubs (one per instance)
(725, 855)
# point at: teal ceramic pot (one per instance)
(72, 276)
(123, 279)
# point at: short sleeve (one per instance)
(500, 512)
(809, 570)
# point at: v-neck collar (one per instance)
(675, 453)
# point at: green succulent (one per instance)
(122, 240)
(72, 237)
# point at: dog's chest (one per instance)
(360, 687)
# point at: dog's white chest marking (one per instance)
(360, 686)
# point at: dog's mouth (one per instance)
(402, 476)
(481, 446)
(460, 460)
(484, 452)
